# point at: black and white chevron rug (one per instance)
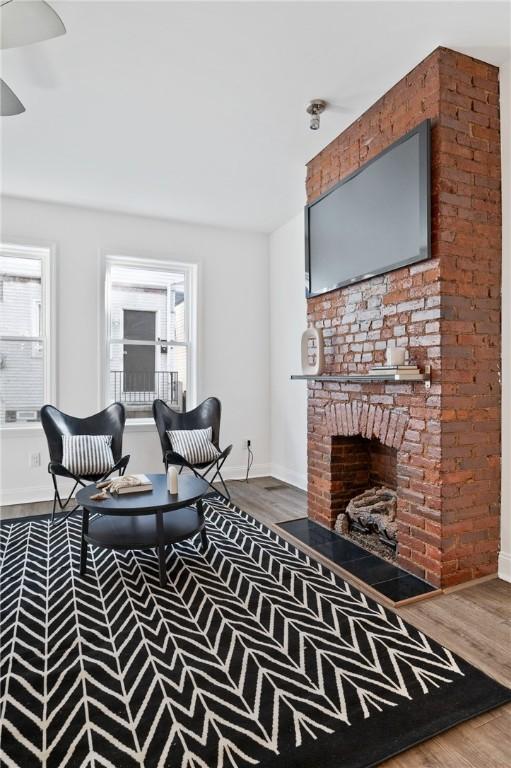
(253, 655)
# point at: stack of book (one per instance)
(398, 371)
(134, 484)
(126, 484)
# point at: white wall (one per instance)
(505, 106)
(233, 355)
(288, 314)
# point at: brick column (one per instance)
(445, 311)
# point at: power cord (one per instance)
(250, 460)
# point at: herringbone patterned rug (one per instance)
(252, 655)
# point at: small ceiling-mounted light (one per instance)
(9, 102)
(28, 21)
(316, 108)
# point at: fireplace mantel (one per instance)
(361, 378)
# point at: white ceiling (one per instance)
(196, 111)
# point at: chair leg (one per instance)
(204, 477)
(62, 505)
(226, 494)
(203, 533)
(210, 482)
(218, 473)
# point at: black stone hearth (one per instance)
(378, 573)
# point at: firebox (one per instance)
(367, 470)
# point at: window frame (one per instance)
(46, 254)
(190, 272)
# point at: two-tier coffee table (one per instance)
(144, 520)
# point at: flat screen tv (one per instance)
(375, 220)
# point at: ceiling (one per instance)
(196, 110)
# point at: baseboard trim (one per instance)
(240, 472)
(505, 566)
(15, 496)
(288, 476)
(471, 583)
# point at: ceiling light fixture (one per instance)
(28, 21)
(315, 108)
(9, 102)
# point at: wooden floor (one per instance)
(474, 622)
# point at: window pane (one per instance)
(140, 373)
(139, 368)
(147, 313)
(177, 361)
(139, 324)
(135, 293)
(20, 296)
(21, 381)
(177, 312)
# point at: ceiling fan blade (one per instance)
(9, 102)
(28, 21)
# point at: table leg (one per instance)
(203, 533)
(83, 543)
(161, 549)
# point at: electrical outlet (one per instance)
(34, 460)
(247, 442)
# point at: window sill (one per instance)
(26, 430)
(140, 425)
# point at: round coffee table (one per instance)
(144, 520)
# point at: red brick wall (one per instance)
(382, 465)
(444, 311)
(468, 218)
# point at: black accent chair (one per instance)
(207, 414)
(56, 423)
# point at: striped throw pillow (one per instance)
(194, 445)
(87, 454)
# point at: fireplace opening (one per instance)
(366, 473)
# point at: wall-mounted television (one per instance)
(375, 220)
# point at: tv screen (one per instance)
(375, 220)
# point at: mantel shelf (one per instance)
(424, 378)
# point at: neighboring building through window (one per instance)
(25, 371)
(149, 318)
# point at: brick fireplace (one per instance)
(440, 446)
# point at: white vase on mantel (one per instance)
(318, 366)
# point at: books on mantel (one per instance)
(398, 371)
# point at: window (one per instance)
(25, 331)
(150, 326)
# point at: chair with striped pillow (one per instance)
(84, 450)
(191, 439)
